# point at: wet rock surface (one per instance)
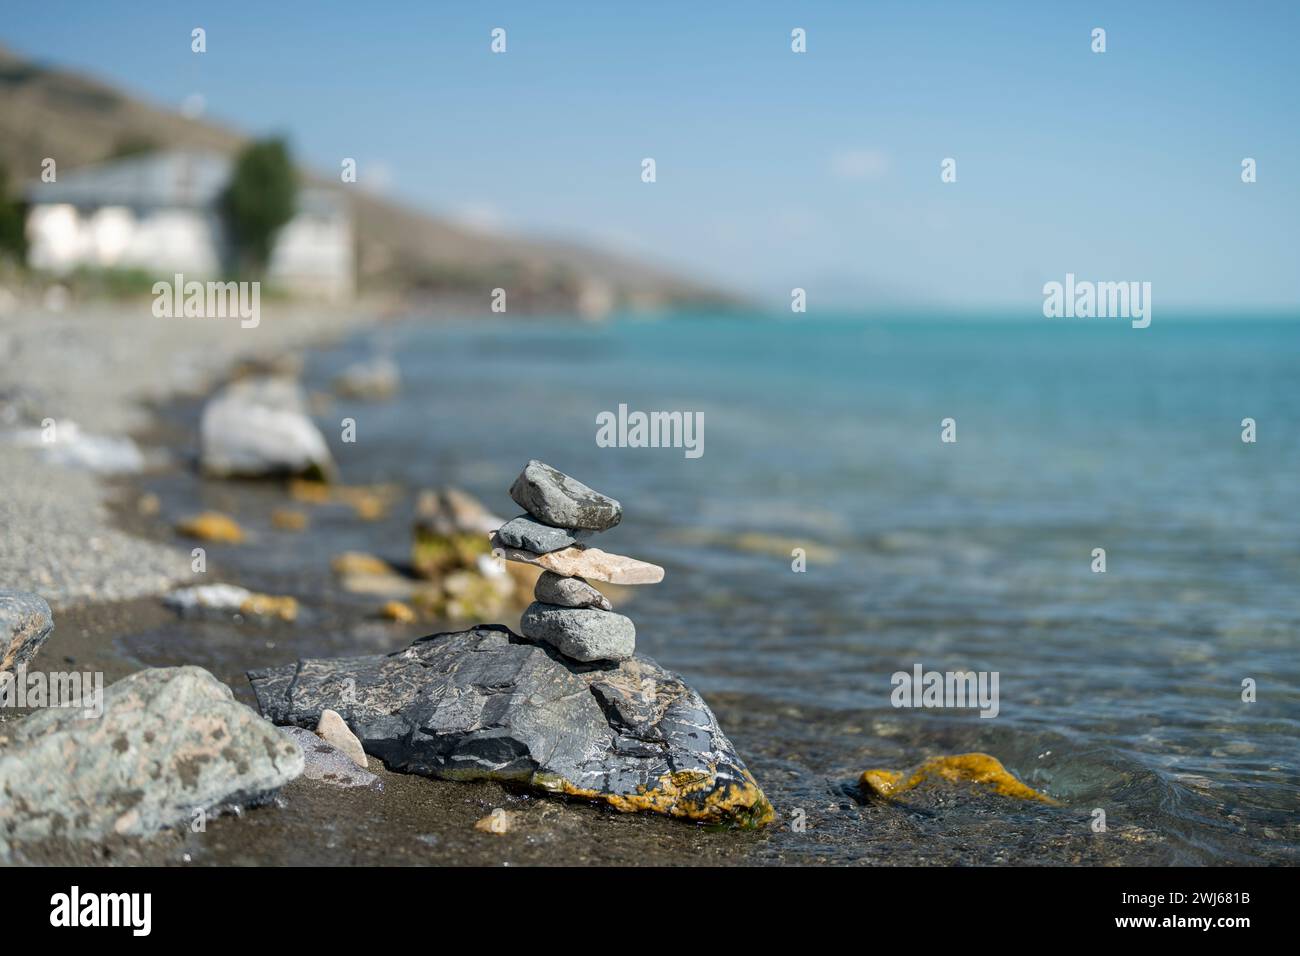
(170, 742)
(25, 623)
(487, 704)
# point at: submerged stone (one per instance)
(487, 704)
(211, 526)
(974, 768)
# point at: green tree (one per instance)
(259, 199)
(13, 237)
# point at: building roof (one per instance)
(171, 178)
(168, 179)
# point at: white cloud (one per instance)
(859, 164)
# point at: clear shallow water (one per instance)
(1119, 691)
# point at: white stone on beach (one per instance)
(260, 427)
(592, 563)
(333, 730)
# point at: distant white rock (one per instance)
(192, 602)
(260, 428)
(374, 378)
(64, 443)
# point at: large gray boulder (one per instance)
(171, 741)
(554, 498)
(260, 428)
(25, 623)
(487, 704)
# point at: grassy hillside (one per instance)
(79, 120)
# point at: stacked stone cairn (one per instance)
(569, 614)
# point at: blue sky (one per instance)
(777, 169)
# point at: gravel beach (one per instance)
(105, 368)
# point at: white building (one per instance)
(159, 212)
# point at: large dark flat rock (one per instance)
(488, 704)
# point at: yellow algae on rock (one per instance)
(358, 562)
(433, 555)
(397, 611)
(312, 492)
(287, 519)
(688, 795)
(270, 605)
(960, 768)
(211, 526)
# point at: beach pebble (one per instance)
(288, 519)
(359, 562)
(260, 428)
(332, 729)
(551, 588)
(583, 634)
(25, 623)
(211, 526)
(397, 611)
(371, 379)
(581, 562)
(223, 599)
(450, 511)
(529, 535)
(499, 821)
(170, 743)
(554, 498)
(325, 762)
(67, 445)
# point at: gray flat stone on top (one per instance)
(581, 633)
(554, 498)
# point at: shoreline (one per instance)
(98, 367)
(74, 537)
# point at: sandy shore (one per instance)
(104, 367)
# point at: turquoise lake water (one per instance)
(1119, 690)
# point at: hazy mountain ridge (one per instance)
(78, 120)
